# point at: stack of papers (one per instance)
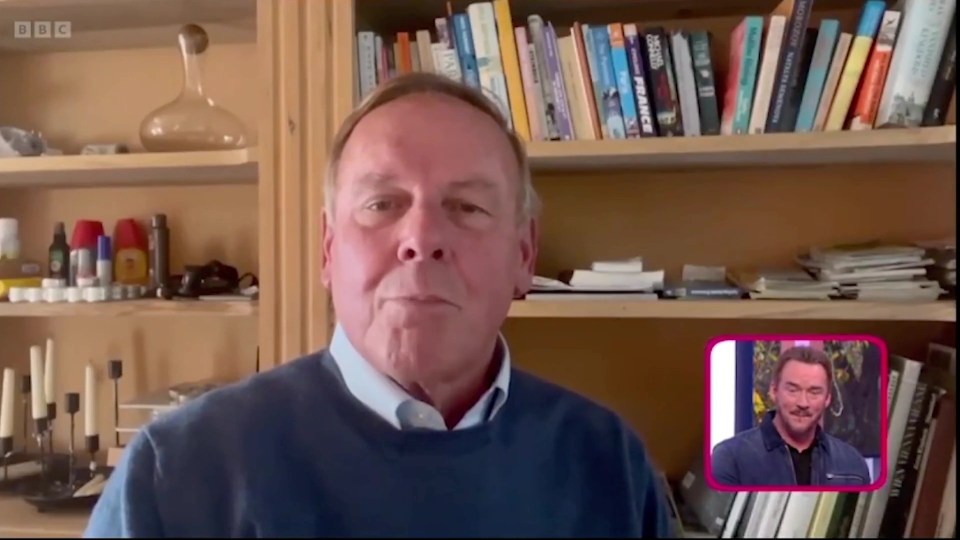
(944, 255)
(874, 271)
(610, 279)
(782, 284)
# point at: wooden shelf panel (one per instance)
(125, 24)
(135, 169)
(929, 144)
(132, 308)
(944, 311)
(18, 520)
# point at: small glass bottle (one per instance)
(59, 255)
(192, 121)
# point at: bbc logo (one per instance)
(41, 29)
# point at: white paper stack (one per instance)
(782, 284)
(944, 255)
(874, 271)
(622, 279)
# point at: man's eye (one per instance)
(466, 208)
(380, 205)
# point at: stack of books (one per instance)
(944, 268)
(625, 79)
(614, 279)
(874, 271)
(782, 284)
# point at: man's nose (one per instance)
(423, 235)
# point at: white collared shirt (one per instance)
(391, 402)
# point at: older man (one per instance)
(413, 422)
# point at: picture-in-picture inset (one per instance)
(796, 413)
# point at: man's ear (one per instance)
(326, 224)
(529, 240)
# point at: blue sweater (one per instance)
(289, 452)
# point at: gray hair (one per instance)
(528, 202)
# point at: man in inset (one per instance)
(414, 422)
(789, 448)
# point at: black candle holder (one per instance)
(51, 415)
(6, 451)
(72, 401)
(115, 371)
(25, 401)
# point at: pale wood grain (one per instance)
(132, 308)
(737, 309)
(134, 169)
(127, 24)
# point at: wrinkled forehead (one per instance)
(430, 140)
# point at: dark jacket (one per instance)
(760, 457)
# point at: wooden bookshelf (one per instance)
(134, 169)
(918, 145)
(20, 520)
(132, 308)
(840, 310)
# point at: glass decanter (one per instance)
(192, 121)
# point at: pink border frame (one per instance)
(708, 468)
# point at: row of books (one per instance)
(917, 500)
(622, 80)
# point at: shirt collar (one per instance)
(385, 397)
(773, 439)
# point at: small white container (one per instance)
(9, 239)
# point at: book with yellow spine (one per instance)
(856, 60)
(511, 68)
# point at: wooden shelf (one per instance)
(136, 169)
(132, 308)
(929, 144)
(125, 24)
(19, 520)
(943, 311)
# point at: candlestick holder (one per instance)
(73, 406)
(51, 416)
(93, 445)
(6, 452)
(25, 400)
(115, 371)
(40, 427)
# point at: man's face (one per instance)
(801, 396)
(426, 250)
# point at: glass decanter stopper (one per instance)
(192, 121)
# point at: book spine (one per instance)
(367, 62)
(468, 58)
(819, 66)
(767, 74)
(795, 92)
(424, 52)
(510, 56)
(580, 45)
(538, 38)
(875, 73)
(646, 117)
(833, 79)
(667, 108)
(446, 61)
(538, 83)
(670, 64)
(943, 85)
(610, 112)
(625, 90)
(856, 60)
(593, 63)
(575, 88)
(706, 86)
(753, 37)
(404, 60)
(530, 90)
(735, 60)
(686, 89)
(486, 45)
(561, 102)
(916, 57)
(789, 65)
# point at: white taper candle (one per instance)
(6, 404)
(90, 402)
(49, 375)
(36, 383)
